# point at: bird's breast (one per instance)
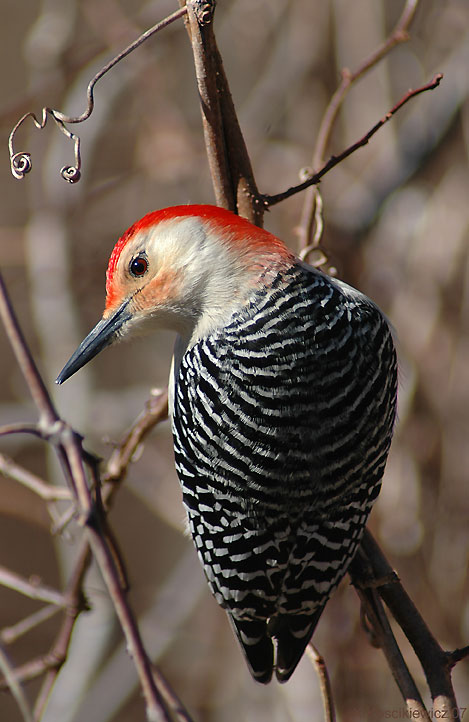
(292, 403)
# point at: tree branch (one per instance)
(11, 470)
(371, 565)
(230, 167)
(362, 576)
(15, 631)
(155, 411)
(29, 589)
(20, 163)
(271, 200)
(309, 213)
(68, 446)
(324, 682)
(15, 686)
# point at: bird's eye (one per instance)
(138, 266)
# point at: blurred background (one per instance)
(396, 226)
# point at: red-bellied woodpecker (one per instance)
(283, 400)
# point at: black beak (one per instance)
(103, 334)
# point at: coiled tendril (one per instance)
(20, 162)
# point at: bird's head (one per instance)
(185, 268)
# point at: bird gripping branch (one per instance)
(283, 401)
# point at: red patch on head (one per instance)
(241, 229)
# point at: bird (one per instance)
(282, 396)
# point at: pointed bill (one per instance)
(102, 335)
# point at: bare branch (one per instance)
(383, 637)
(20, 162)
(58, 653)
(15, 687)
(336, 159)
(179, 711)
(434, 660)
(156, 410)
(21, 428)
(457, 655)
(25, 625)
(30, 589)
(398, 35)
(324, 682)
(33, 669)
(230, 166)
(70, 453)
(25, 360)
(12, 470)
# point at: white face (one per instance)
(178, 274)
(188, 273)
(154, 282)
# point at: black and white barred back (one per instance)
(282, 425)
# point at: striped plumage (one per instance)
(284, 400)
(282, 425)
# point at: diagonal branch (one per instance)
(155, 411)
(29, 589)
(362, 577)
(11, 470)
(10, 634)
(36, 386)
(271, 200)
(20, 162)
(324, 682)
(230, 166)
(399, 35)
(371, 564)
(69, 449)
(15, 687)
(310, 212)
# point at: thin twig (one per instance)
(33, 669)
(20, 162)
(69, 449)
(155, 411)
(156, 706)
(15, 687)
(58, 653)
(314, 246)
(457, 655)
(271, 200)
(27, 365)
(25, 625)
(324, 682)
(21, 428)
(29, 589)
(230, 166)
(180, 712)
(434, 660)
(12, 470)
(384, 638)
(398, 35)
(105, 557)
(61, 521)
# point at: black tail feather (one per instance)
(257, 647)
(293, 633)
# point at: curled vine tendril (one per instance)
(20, 162)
